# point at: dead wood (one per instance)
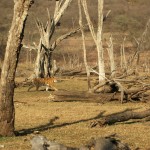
(84, 96)
(65, 36)
(114, 86)
(121, 117)
(75, 96)
(71, 72)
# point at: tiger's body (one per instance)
(48, 82)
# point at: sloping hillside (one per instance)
(125, 16)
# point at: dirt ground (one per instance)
(71, 119)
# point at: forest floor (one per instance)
(35, 110)
(71, 116)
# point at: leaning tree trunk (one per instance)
(16, 33)
(84, 46)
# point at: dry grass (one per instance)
(34, 110)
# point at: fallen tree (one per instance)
(121, 117)
(114, 86)
(130, 86)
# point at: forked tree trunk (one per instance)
(84, 47)
(43, 64)
(97, 37)
(16, 33)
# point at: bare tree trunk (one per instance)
(38, 64)
(16, 33)
(121, 57)
(124, 55)
(97, 38)
(99, 42)
(43, 65)
(84, 47)
(110, 50)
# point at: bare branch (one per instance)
(62, 10)
(94, 71)
(56, 9)
(52, 29)
(141, 41)
(29, 47)
(56, 42)
(105, 17)
(84, 4)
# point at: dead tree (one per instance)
(121, 117)
(97, 37)
(123, 56)
(110, 50)
(16, 33)
(43, 64)
(140, 44)
(84, 46)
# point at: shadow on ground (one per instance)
(50, 125)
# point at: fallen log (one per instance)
(103, 97)
(121, 117)
(69, 96)
(71, 73)
(114, 86)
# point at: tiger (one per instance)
(48, 82)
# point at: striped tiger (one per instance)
(48, 82)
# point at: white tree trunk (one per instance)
(111, 56)
(99, 42)
(84, 47)
(97, 38)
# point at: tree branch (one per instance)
(57, 41)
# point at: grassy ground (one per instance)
(35, 110)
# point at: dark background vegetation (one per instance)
(127, 17)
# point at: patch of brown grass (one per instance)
(34, 110)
